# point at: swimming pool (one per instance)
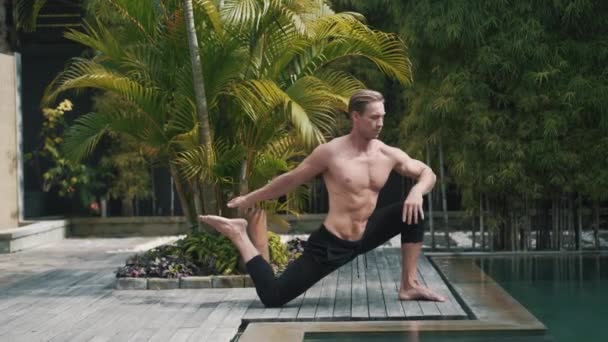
(568, 293)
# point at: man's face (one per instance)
(370, 122)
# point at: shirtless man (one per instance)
(355, 167)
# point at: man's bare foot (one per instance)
(420, 293)
(230, 228)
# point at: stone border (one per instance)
(207, 282)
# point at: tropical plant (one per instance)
(69, 178)
(270, 85)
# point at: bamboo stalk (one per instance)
(579, 238)
(596, 225)
(481, 225)
(554, 223)
(444, 202)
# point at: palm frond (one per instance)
(82, 137)
(26, 13)
(83, 73)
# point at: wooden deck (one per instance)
(357, 292)
(74, 301)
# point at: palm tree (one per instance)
(201, 105)
(271, 84)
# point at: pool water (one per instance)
(568, 293)
(429, 336)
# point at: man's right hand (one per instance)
(240, 202)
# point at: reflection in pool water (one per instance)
(568, 293)
(429, 336)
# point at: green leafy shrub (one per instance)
(279, 256)
(213, 252)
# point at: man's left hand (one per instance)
(412, 208)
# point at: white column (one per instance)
(9, 154)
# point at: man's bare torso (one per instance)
(353, 180)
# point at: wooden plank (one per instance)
(41, 297)
(98, 324)
(157, 316)
(389, 288)
(142, 335)
(255, 310)
(223, 334)
(359, 300)
(148, 312)
(105, 307)
(343, 305)
(14, 293)
(182, 335)
(433, 280)
(244, 297)
(325, 308)
(182, 312)
(41, 306)
(215, 317)
(207, 303)
(429, 309)
(269, 314)
(290, 310)
(73, 309)
(411, 308)
(311, 300)
(375, 299)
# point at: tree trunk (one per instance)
(571, 234)
(482, 232)
(579, 227)
(444, 202)
(490, 232)
(198, 205)
(596, 224)
(182, 196)
(153, 191)
(127, 207)
(554, 221)
(512, 231)
(172, 204)
(103, 204)
(430, 195)
(207, 191)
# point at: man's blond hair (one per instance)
(360, 99)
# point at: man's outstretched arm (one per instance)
(311, 166)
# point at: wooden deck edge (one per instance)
(295, 331)
(495, 305)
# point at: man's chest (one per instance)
(360, 173)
